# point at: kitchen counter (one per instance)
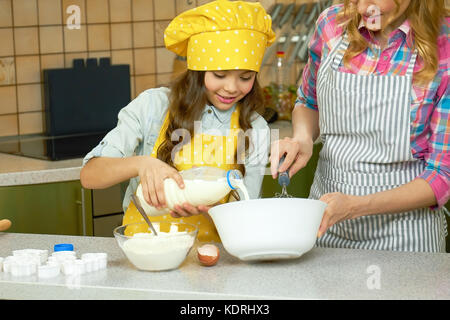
(17, 170)
(319, 274)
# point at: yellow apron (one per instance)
(208, 150)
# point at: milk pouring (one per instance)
(203, 186)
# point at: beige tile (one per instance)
(49, 12)
(99, 54)
(163, 79)
(144, 61)
(160, 26)
(7, 42)
(52, 61)
(7, 71)
(67, 16)
(25, 13)
(120, 10)
(8, 100)
(132, 88)
(98, 37)
(51, 39)
(70, 56)
(5, 13)
(29, 97)
(97, 11)
(164, 60)
(28, 70)
(75, 40)
(143, 10)
(121, 36)
(143, 34)
(31, 122)
(202, 2)
(183, 5)
(26, 40)
(123, 57)
(8, 125)
(166, 11)
(144, 82)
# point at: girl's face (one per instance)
(380, 15)
(226, 87)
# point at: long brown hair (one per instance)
(187, 102)
(425, 17)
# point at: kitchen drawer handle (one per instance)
(83, 212)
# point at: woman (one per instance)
(375, 89)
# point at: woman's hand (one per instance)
(340, 207)
(152, 173)
(298, 153)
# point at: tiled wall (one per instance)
(34, 36)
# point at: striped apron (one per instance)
(365, 129)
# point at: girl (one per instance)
(376, 90)
(224, 43)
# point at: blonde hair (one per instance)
(425, 17)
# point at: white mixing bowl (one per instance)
(268, 229)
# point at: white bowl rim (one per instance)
(267, 199)
(194, 232)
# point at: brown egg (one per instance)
(4, 224)
(208, 254)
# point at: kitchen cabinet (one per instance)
(107, 211)
(48, 208)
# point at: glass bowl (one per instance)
(148, 252)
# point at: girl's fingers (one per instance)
(174, 214)
(190, 209)
(178, 179)
(152, 194)
(145, 192)
(203, 208)
(180, 211)
(159, 189)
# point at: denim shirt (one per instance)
(138, 128)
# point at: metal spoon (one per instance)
(137, 203)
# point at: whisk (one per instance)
(283, 181)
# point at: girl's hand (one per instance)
(297, 153)
(340, 207)
(187, 210)
(152, 173)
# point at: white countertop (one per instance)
(17, 170)
(322, 273)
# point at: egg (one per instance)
(4, 224)
(208, 254)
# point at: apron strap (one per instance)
(340, 52)
(412, 63)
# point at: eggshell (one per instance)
(4, 224)
(208, 254)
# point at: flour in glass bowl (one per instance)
(165, 251)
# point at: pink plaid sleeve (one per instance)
(325, 33)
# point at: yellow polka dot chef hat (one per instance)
(221, 35)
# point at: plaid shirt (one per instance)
(430, 104)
